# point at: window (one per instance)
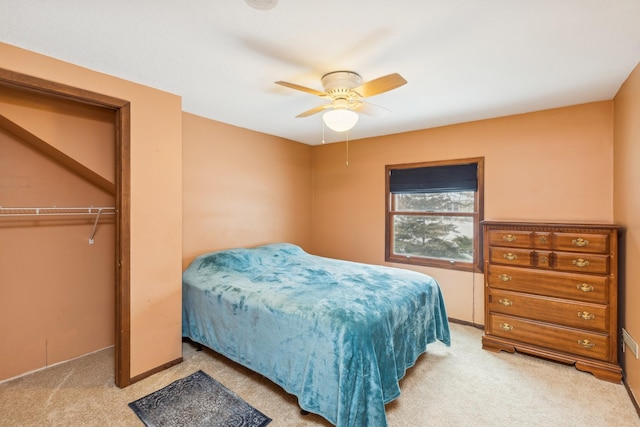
(433, 214)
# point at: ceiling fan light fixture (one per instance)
(340, 119)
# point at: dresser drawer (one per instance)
(541, 240)
(559, 338)
(521, 257)
(555, 284)
(584, 263)
(553, 310)
(581, 242)
(509, 238)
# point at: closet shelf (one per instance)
(92, 210)
(68, 211)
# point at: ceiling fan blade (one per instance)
(372, 110)
(314, 110)
(380, 85)
(302, 88)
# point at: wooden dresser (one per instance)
(551, 290)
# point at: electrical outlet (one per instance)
(629, 342)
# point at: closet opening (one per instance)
(120, 211)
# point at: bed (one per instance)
(339, 335)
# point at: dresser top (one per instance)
(583, 225)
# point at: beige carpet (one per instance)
(461, 385)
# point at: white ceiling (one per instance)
(464, 60)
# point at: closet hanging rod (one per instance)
(57, 211)
(67, 211)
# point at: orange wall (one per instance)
(626, 179)
(66, 125)
(553, 165)
(156, 202)
(242, 188)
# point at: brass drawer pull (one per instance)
(509, 238)
(581, 262)
(509, 256)
(580, 242)
(586, 343)
(585, 315)
(506, 302)
(506, 326)
(585, 287)
(504, 277)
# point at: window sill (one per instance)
(432, 262)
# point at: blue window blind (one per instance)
(434, 179)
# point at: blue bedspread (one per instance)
(337, 334)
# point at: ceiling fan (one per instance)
(346, 91)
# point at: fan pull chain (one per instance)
(323, 131)
(347, 148)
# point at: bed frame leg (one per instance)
(199, 346)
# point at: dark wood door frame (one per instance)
(122, 111)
